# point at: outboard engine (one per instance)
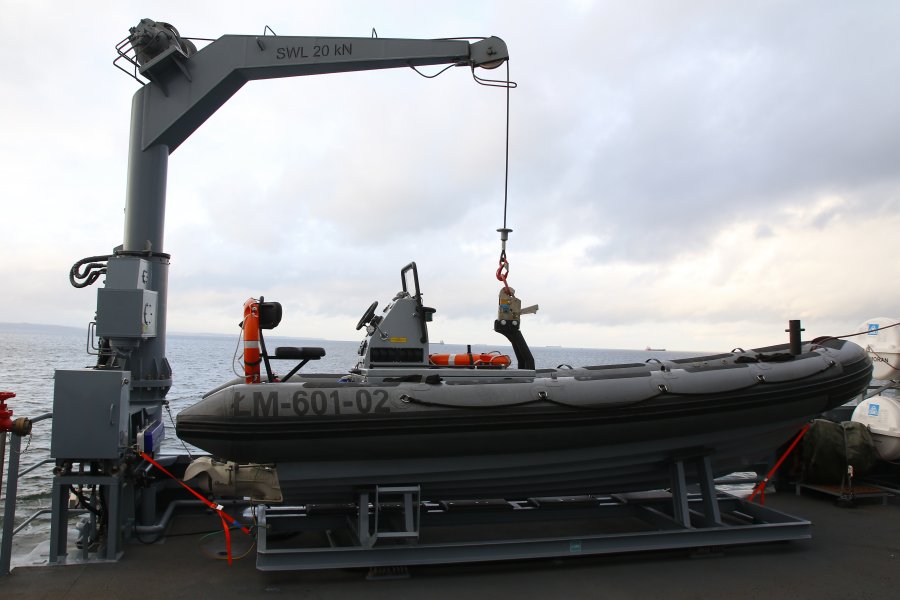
(399, 337)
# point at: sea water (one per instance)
(29, 356)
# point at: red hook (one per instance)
(503, 270)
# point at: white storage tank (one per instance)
(881, 414)
(883, 346)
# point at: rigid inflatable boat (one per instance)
(494, 430)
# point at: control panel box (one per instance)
(93, 406)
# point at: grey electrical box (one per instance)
(127, 273)
(126, 313)
(93, 406)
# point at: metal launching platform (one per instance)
(392, 526)
(846, 495)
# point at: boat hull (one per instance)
(590, 430)
(608, 468)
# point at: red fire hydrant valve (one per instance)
(6, 413)
(21, 426)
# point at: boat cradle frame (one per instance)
(391, 526)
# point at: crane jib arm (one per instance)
(186, 90)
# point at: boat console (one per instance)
(396, 342)
(399, 336)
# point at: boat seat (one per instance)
(302, 353)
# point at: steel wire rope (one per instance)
(174, 427)
(503, 263)
(506, 158)
(821, 340)
(840, 337)
(503, 269)
(501, 83)
(441, 72)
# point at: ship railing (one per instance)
(13, 475)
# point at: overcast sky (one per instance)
(687, 175)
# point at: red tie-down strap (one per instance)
(760, 489)
(226, 518)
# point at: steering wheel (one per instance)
(367, 316)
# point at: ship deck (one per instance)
(854, 553)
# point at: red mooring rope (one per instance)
(760, 489)
(226, 518)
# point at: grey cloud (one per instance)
(726, 118)
(650, 127)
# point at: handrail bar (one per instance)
(42, 417)
(12, 487)
(35, 466)
(45, 511)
